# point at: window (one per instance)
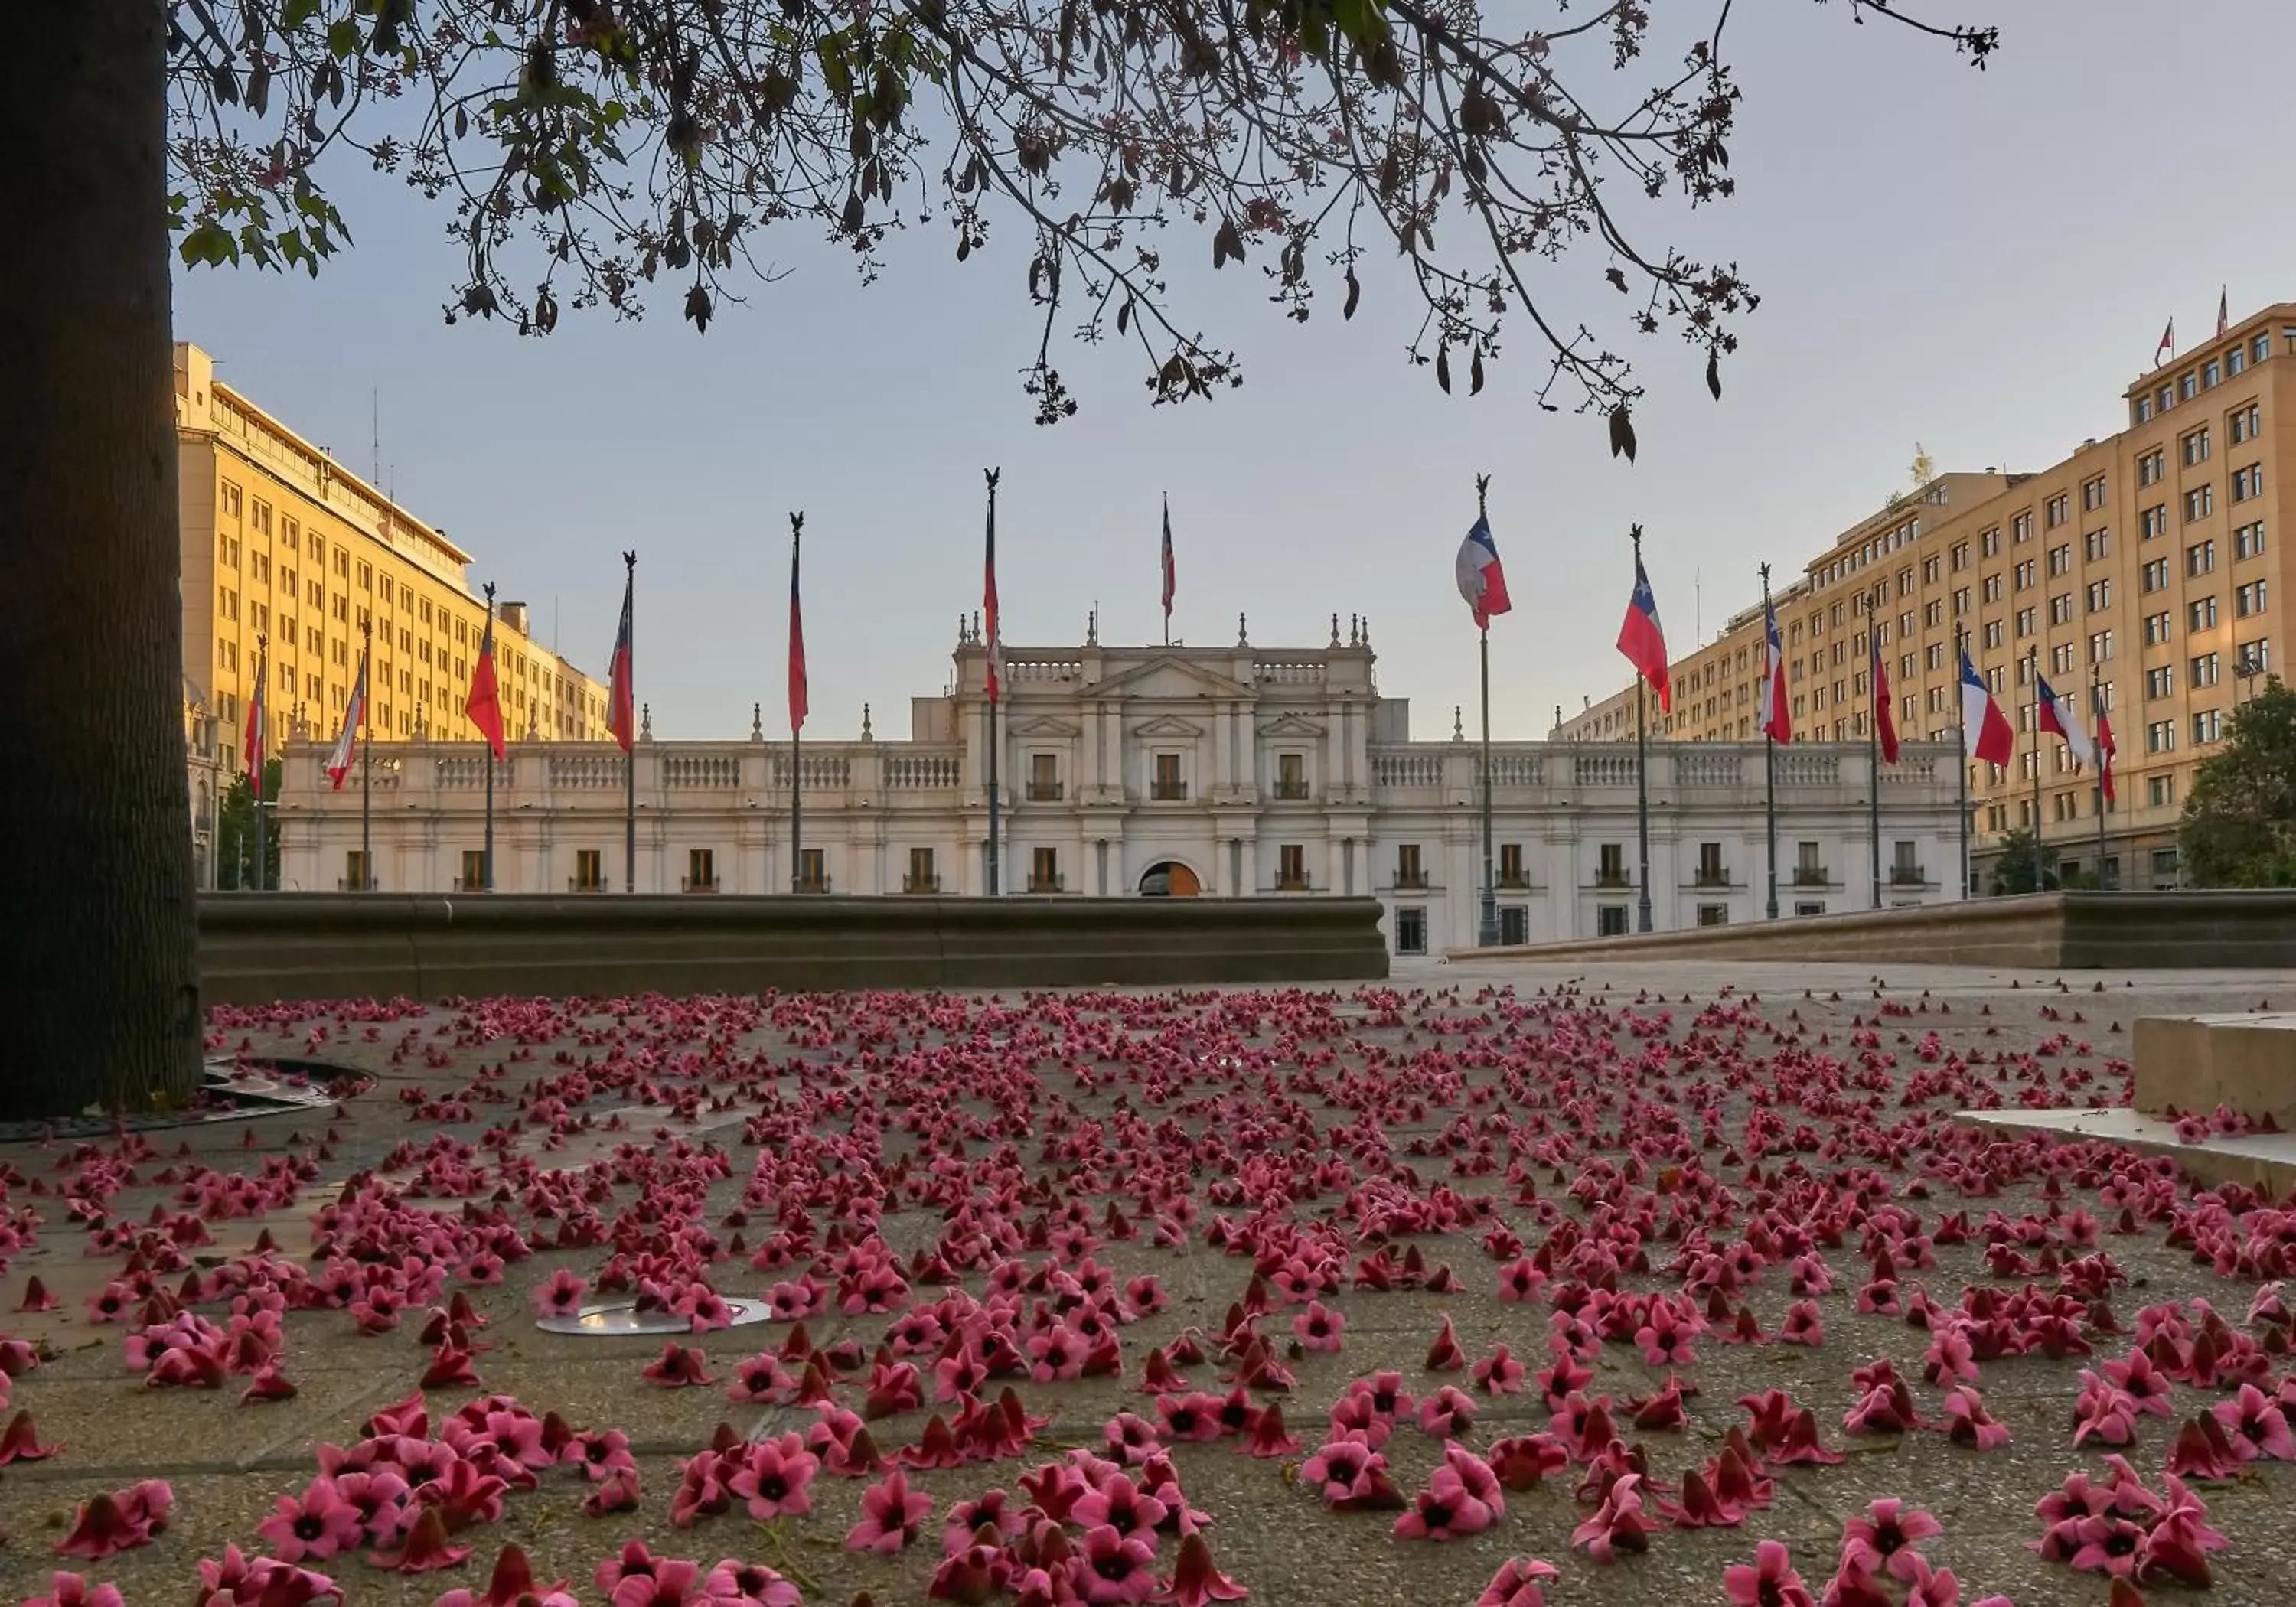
(2096, 544)
(2061, 558)
(2061, 658)
(2092, 494)
(1961, 553)
(2201, 558)
(921, 877)
(2248, 541)
(2160, 682)
(2057, 510)
(1408, 872)
(1992, 589)
(1933, 657)
(2025, 621)
(2248, 482)
(2208, 726)
(358, 876)
(1515, 924)
(2164, 399)
(2201, 615)
(1044, 778)
(589, 871)
(2144, 409)
(2100, 646)
(2020, 528)
(1809, 909)
(1711, 873)
(1044, 870)
(474, 868)
(2246, 423)
(1168, 784)
(1713, 915)
(2196, 447)
(2156, 575)
(1610, 920)
(2151, 467)
(2235, 362)
(1292, 776)
(262, 516)
(2161, 737)
(1930, 570)
(1611, 865)
(2187, 386)
(2025, 575)
(2252, 658)
(2160, 789)
(1292, 868)
(1510, 866)
(2098, 595)
(2211, 374)
(2060, 609)
(812, 872)
(1934, 612)
(2164, 862)
(2248, 601)
(2154, 521)
(1807, 872)
(1411, 931)
(2204, 670)
(2200, 502)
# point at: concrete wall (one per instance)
(2180, 930)
(256, 947)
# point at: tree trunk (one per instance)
(99, 980)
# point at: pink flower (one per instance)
(1516, 1584)
(1116, 1503)
(1447, 1413)
(777, 1477)
(70, 1590)
(317, 1523)
(1444, 1510)
(1116, 1568)
(1497, 1373)
(1881, 1540)
(1619, 1524)
(1196, 1580)
(1968, 1423)
(2255, 1426)
(118, 1521)
(1318, 1327)
(562, 1296)
(1802, 1327)
(1769, 1581)
(891, 1516)
(1341, 1470)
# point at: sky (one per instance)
(1977, 261)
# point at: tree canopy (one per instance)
(594, 152)
(2239, 828)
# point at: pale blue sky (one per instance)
(1978, 261)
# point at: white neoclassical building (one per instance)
(1214, 772)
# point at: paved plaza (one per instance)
(962, 1193)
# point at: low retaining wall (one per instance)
(255, 948)
(2177, 931)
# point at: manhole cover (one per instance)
(624, 1320)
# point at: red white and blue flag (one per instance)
(2059, 717)
(1642, 640)
(1482, 582)
(1885, 722)
(2105, 748)
(2167, 347)
(798, 704)
(1984, 728)
(622, 669)
(484, 704)
(255, 744)
(2224, 310)
(1171, 574)
(339, 762)
(1776, 724)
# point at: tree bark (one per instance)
(98, 981)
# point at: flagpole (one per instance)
(262, 743)
(1770, 750)
(486, 863)
(1961, 727)
(1164, 559)
(1487, 907)
(2033, 658)
(1642, 775)
(2094, 705)
(992, 865)
(1874, 731)
(797, 784)
(367, 768)
(630, 759)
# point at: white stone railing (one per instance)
(1406, 769)
(574, 772)
(1801, 767)
(924, 772)
(1287, 672)
(1695, 769)
(469, 770)
(701, 771)
(1603, 770)
(1018, 670)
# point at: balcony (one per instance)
(1292, 791)
(1710, 875)
(1410, 879)
(1513, 882)
(1291, 884)
(1169, 791)
(347, 885)
(585, 885)
(1045, 884)
(1043, 791)
(706, 884)
(1610, 880)
(1811, 875)
(1908, 875)
(813, 884)
(927, 884)
(471, 884)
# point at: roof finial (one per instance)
(1335, 629)
(866, 736)
(646, 725)
(1458, 725)
(1242, 637)
(757, 722)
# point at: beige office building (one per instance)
(2148, 562)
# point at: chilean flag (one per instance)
(800, 706)
(1885, 724)
(2059, 716)
(484, 704)
(2167, 347)
(338, 763)
(1776, 724)
(1482, 582)
(1642, 640)
(255, 744)
(1171, 574)
(621, 691)
(2105, 749)
(1983, 726)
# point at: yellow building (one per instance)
(2148, 561)
(280, 541)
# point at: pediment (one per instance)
(1165, 725)
(1046, 726)
(1292, 725)
(1170, 675)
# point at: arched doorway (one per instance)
(1170, 879)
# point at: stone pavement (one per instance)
(1432, 1046)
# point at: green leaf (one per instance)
(211, 243)
(342, 39)
(296, 12)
